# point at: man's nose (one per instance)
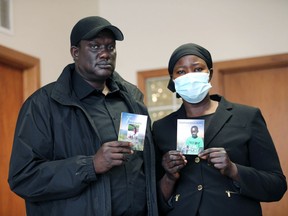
(104, 52)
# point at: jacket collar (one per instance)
(62, 91)
(64, 94)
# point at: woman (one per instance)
(239, 166)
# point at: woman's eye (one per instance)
(181, 72)
(198, 69)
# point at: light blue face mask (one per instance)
(193, 87)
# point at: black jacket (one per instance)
(242, 131)
(55, 139)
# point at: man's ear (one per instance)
(74, 52)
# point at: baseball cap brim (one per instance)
(117, 33)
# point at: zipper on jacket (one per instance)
(229, 193)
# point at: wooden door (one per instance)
(261, 82)
(19, 77)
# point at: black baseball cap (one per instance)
(89, 27)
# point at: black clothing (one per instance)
(51, 165)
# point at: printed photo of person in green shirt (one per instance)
(194, 143)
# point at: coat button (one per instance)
(199, 187)
(197, 159)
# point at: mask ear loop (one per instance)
(210, 74)
(171, 85)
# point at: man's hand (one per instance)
(111, 154)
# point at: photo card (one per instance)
(132, 129)
(190, 136)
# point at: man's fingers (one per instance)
(119, 144)
(118, 147)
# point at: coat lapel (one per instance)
(221, 116)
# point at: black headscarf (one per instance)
(183, 50)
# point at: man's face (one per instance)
(95, 59)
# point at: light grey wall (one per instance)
(229, 29)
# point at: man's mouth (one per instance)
(105, 66)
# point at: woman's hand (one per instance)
(219, 158)
(173, 161)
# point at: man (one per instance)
(66, 159)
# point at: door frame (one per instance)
(27, 64)
(247, 64)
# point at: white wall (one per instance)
(229, 29)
